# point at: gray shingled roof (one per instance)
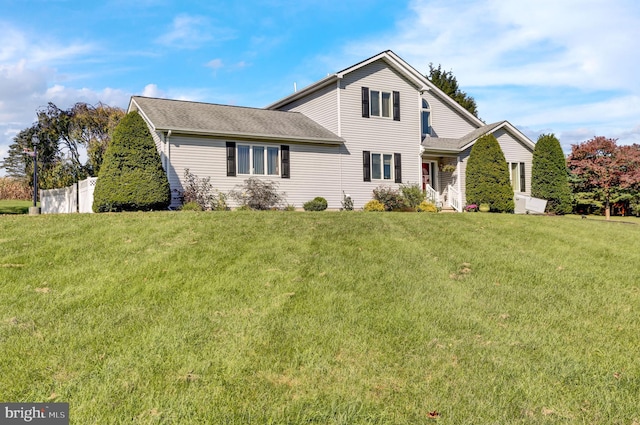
(457, 145)
(232, 121)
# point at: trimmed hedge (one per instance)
(131, 177)
(488, 176)
(549, 175)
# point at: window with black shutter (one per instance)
(365, 102)
(286, 169)
(366, 166)
(396, 106)
(231, 159)
(522, 178)
(397, 163)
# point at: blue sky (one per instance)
(570, 67)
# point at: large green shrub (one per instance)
(131, 177)
(549, 175)
(488, 176)
(316, 204)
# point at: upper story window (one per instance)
(378, 103)
(426, 118)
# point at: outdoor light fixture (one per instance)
(34, 154)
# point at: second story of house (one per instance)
(381, 102)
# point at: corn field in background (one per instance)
(15, 189)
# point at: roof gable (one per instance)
(395, 62)
(459, 145)
(230, 121)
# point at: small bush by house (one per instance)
(374, 206)
(316, 204)
(257, 194)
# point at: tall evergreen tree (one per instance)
(488, 176)
(550, 176)
(131, 177)
(447, 82)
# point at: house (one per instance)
(378, 122)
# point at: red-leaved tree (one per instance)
(601, 164)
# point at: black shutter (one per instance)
(284, 155)
(231, 159)
(522, 179)
(396, 106)
(366, 165)
(365, 102)
(397, 162)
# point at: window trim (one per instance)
(265, 160)
(521, 182)
(393, 110)
(394, 164)
(424, 110)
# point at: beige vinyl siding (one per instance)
(446, 122)
(376, 134)
(515, 151)
(321, 106)
(314, 168)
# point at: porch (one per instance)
(441, 182)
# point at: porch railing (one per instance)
(432, 195)
(454, 198)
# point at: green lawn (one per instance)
(323, 318)
(8, 206)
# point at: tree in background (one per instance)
(550, 176)
(605, 169)
(60, 136)
(488, 176)
(131, 177)
(447, 82)
(92, 127)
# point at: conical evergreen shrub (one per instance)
(131, 177)
(549, 175)
(488, 176)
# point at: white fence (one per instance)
(67, 200)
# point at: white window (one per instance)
(381, 166)
(258, 160)
(517, 176)
(426, 118)
(381, 104)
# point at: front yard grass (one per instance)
(8, 206)
(328, 318)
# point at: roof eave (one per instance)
(304, 91)
(252, 136)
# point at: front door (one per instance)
(428, 175)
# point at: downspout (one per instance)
(167, 159)
(341, 147)
(459, 165)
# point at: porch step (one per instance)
(448, 210)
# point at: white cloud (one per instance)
(151, 90)
(215, 64)
(514, 48)
(29, 80)
(191, 32)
